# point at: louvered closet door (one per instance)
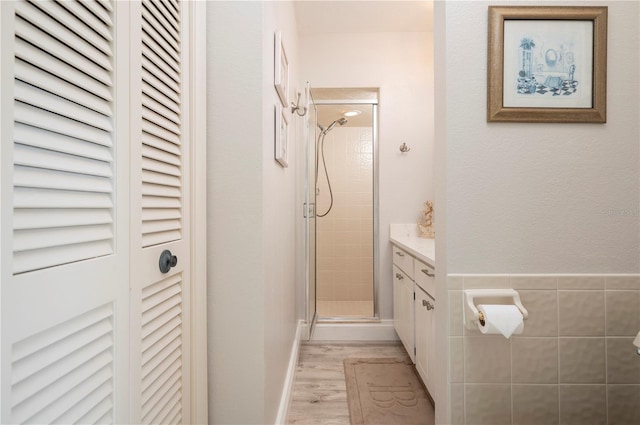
(160, 185)
(64, 217)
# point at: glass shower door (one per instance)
(310, 211)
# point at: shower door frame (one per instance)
(376, 242)
(309, 213)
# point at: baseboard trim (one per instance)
(285, 398)
(375, 331)
(304, 330)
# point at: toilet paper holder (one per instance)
(474, 297)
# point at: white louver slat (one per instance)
(63, 133)
(161, 124)
(162, 351)
(64, 374)
(56, 11)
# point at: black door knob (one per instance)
(167, 260)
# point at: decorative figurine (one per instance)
(425, 222)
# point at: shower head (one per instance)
(341, 121)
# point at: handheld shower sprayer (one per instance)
(320, 148)
(341, 121)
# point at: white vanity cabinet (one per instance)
(414, 311)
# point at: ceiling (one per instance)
(327, 16)
(360, 16)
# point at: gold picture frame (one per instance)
(561, 79)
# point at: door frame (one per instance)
(198, 207)
(376, 203)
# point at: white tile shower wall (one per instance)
(573, 364)
(345, 235)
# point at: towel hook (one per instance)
(404, 148)
(295, 107)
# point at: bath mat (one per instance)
(386, 391)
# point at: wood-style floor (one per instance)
(319, 394)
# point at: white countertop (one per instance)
(406, 237)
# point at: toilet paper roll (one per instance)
(501, 319)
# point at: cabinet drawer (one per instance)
(403, 260)
(425, 277)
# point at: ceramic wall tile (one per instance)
(535, 405)
(456, 398)
(580, 282)
(455, 282)
(456, 359)
(581, 313)
(534, 360)
(542, 307)
(623, 313)
(622, 282)
(486, 404)
(582, 360)
(486, 281)
(534, 282)
(455, 313)
(623, 404)
(487, 359)
(623, 363)
(573, 364)
(583, 404)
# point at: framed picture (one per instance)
(281, 139)
(281, 71)
(547, 64)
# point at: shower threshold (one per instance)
(344, 309)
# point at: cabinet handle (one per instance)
(400, 254)
(399, 276)
(426, 271)
(427, 304)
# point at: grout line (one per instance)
(558, 336)
(464, 373)
(606, 364)
(511, 370)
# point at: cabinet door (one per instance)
(424, 311)
(397, 313)
(431, 349)
(403, 309)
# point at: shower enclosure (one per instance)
(342, 204)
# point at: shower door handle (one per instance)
(309, 210)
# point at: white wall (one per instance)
(541, 198)
(530, 198)
(251, 243)
(400, 64)
(279, 186)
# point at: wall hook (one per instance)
(404, 148)
(295, 107)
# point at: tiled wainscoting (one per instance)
(573, 364)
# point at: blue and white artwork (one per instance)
(548, 63)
